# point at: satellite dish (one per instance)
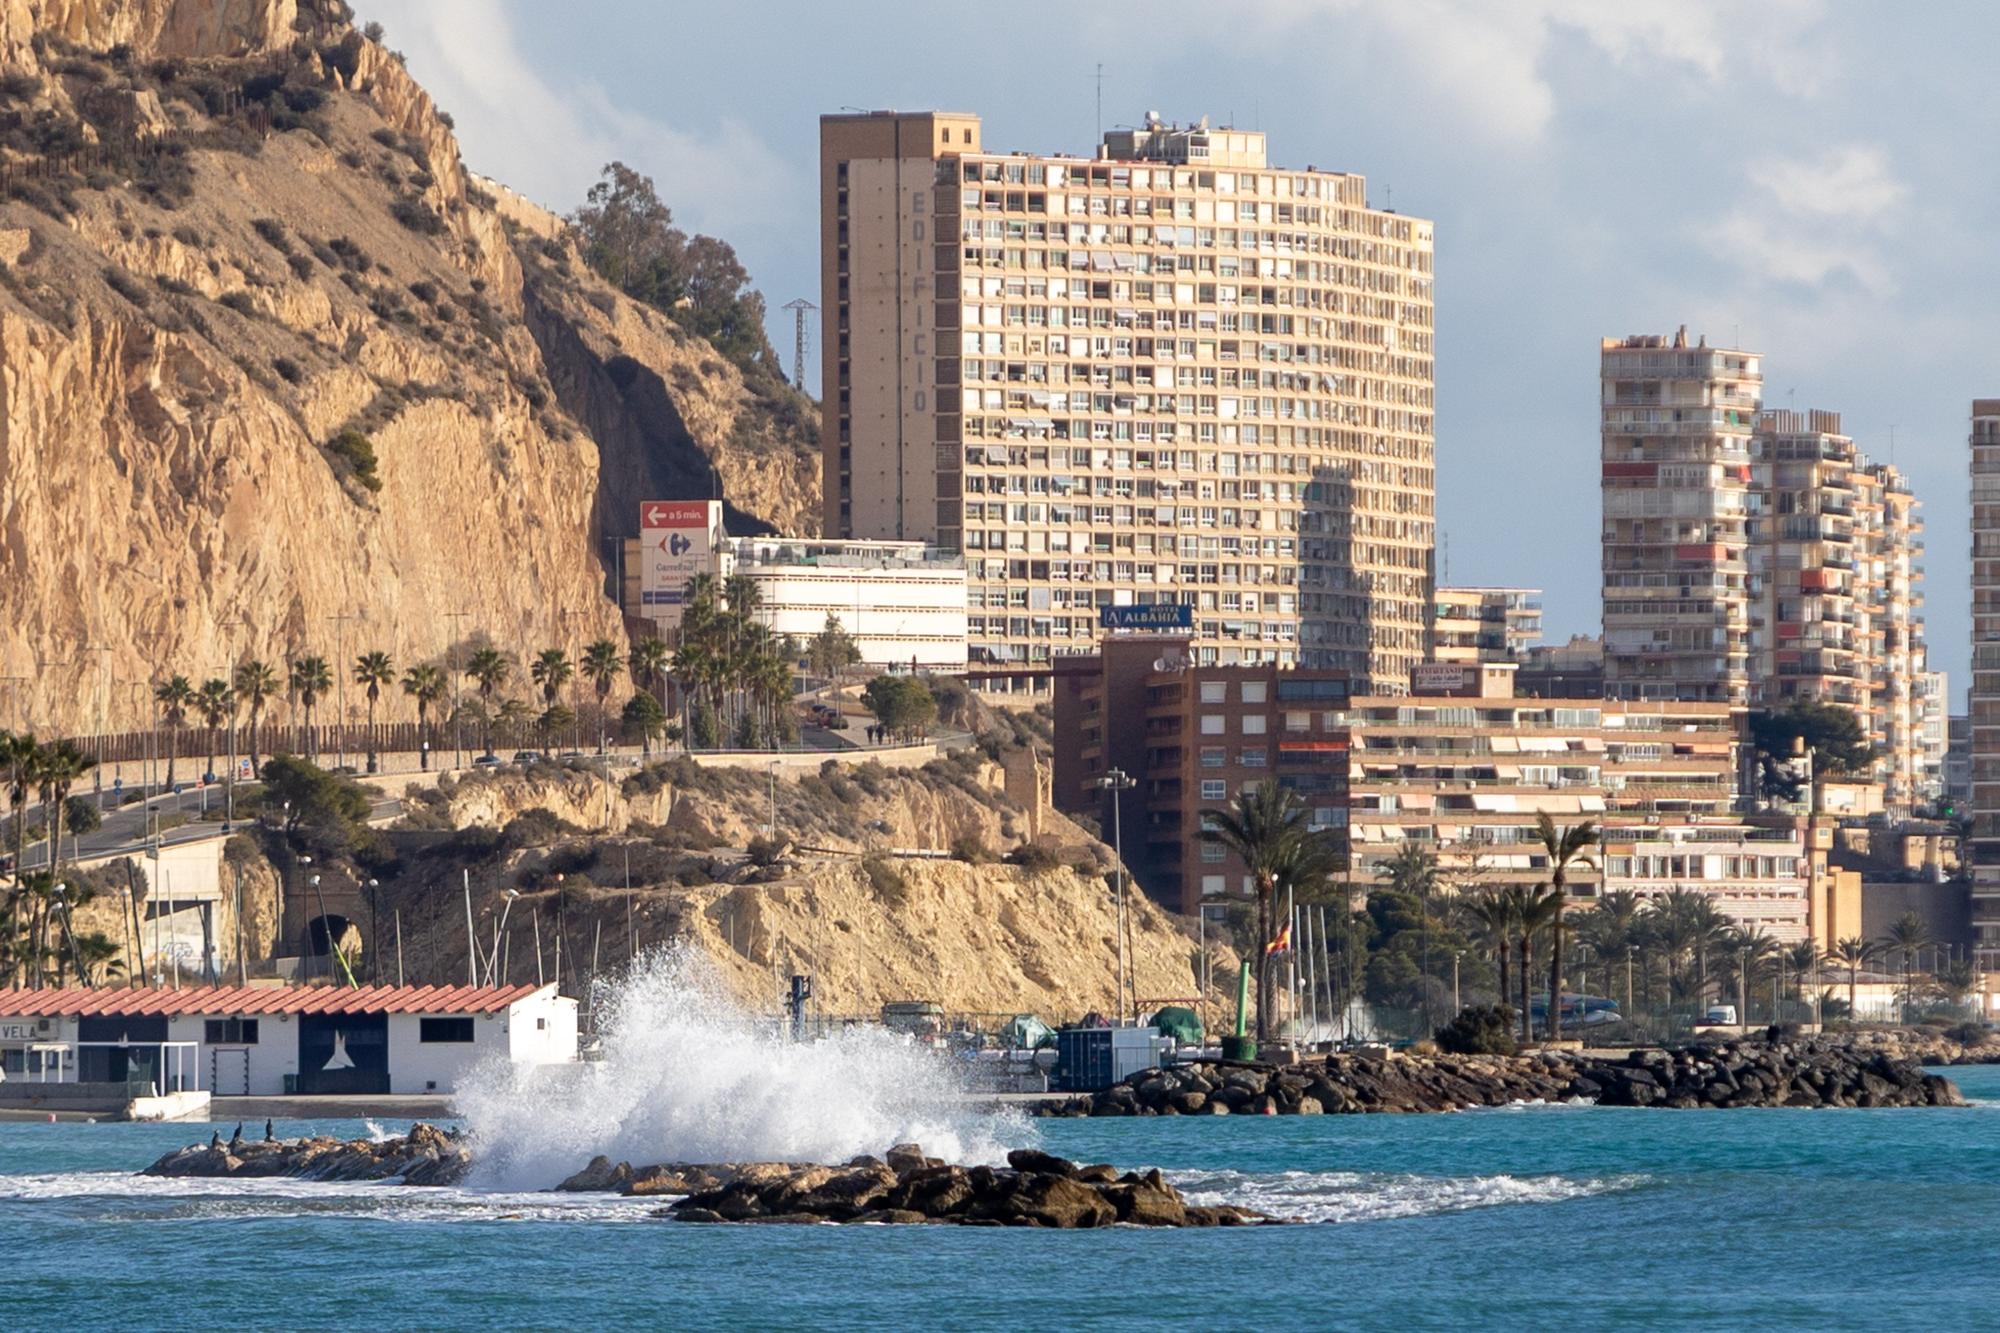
(1170, 664)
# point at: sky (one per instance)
(1809, 179)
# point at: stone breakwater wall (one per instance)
(426, 1156)
(1735, 1074)
(1034, 1189)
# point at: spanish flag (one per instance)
(1282, 941)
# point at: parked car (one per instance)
(487, 761)
(529, 756)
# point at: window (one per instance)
(1211, 724)
(444, 1029)
(1211, 885)
(1254, 691)
(1213, 853)
(1214, 789)
(1212, 756)
(1251, 758)
(1214, 691)
(1253, 724)
(230, 1032)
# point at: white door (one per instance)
(229, 1071)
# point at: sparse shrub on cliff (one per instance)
(239, 301)
(1479, 1029)
(971, 849)
(300, 265)
(417, 215)
(1969, 1034)
(765, 851)
(1034, 859)
(126, 286)
(537, 827)
(358, 452)
(885, 880)
(19, 87)
(288, 370)
(174, 285)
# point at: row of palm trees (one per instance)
(35, 930)
(734, 678)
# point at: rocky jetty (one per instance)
(1034, 1189)
(1808, 1073)
(426, 1156)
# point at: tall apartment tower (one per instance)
(1676, 478)
(1985, 706)
(1169, 373)
(1835, 542)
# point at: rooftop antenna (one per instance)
(799, 309)
(1100, 101)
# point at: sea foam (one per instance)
(688, 1076)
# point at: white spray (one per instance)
(688, 1076)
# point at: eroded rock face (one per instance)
(1734, 1074)
(178, 367)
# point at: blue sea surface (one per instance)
(1544, 1216)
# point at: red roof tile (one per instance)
(147, 1001)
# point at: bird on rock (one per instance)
(215, 1141)
(269, 1137)
(236, 1139)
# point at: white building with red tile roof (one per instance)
(270, 1041)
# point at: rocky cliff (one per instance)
(276, 375)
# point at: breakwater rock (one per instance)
(1810, 1073)
(1034, 1189)
(427, 1155)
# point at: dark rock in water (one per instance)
(599, 1175)
(1037, 1189)
(1035, 1160)
(425, 1156)
(1715, 1074)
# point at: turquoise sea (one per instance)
(1546, 1216)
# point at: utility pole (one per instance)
(799, 309)
(340, 684)
(1118, 782)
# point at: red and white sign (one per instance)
(678, 539)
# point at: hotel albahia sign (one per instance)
(1158, 615)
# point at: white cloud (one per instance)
(549, 143)
(1491, 60)
(1815, 220)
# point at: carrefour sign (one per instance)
(1158, 615)
(677, 540)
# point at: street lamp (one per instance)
(1117, 782)
(501, 934)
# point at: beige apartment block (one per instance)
(1985, 719)
(1836, 584)
(1166, 373)
(1676, 428)
(1485, 624)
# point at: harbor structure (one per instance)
(269, 1040)
(1170, 372)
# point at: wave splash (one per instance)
(688, 1076)
(1354, 1196)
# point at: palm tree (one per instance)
(310, 678)
(216, 703)
(424, 683)
(372, 671)
(60, 765)
(173, 698)
(488, 668)
(97, 958)
(601, 664)
(255, 682)
(1753, 948)
(1854, 953)
(1907, 934)
(551, 670)
(1535, 909)
(1801, 961)
(1491, 918)
(1264, 829)
(1564, 848)
(1413, 871)
(18, 756)
(647, 665)
(513, 718)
